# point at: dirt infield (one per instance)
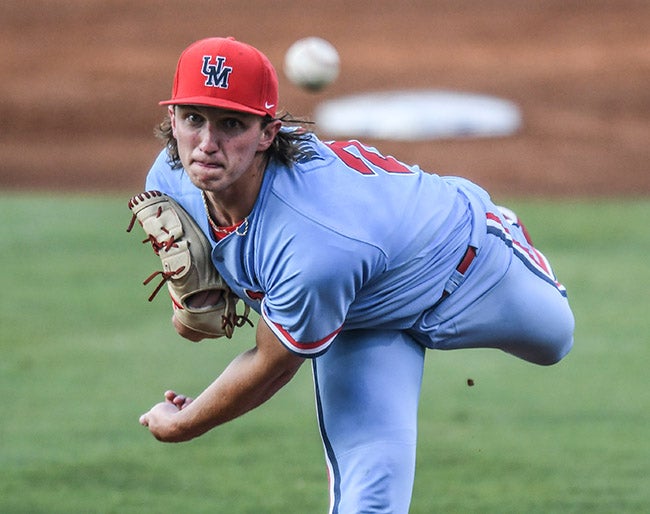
(81, 80)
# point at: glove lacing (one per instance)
(228, 323)
(157, 247)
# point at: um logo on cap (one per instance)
(217, 74)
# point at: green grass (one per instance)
(83, 354)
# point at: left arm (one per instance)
(249, 380)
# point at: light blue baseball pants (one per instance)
(368, 382)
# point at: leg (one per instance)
(367, 391)
(523, 314)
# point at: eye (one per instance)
(232, 124)
(189, 116)
(194, 118)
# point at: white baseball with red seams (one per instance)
(312, 63)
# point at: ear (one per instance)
(268, 135)
(172, 118)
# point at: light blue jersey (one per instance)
(331, 247)
(345, 239)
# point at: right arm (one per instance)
(249, 380)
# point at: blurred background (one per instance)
(83, 354)
(80, 82)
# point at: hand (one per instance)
(247, 382)
(160, 418)
(186, 332)
(200, 300)
(180, 400)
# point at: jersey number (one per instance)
(358, 157)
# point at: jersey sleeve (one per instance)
(311, 286)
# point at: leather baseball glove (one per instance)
(201, 298)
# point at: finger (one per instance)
(179, 400)
(170, 395)
(144, 420)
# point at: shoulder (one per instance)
(169, 180)
(162, 176)
(310, 150)
(175, 183)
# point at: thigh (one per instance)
(522, 315)
(367, 391)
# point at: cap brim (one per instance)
(206, 101)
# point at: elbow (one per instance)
(284, 376)
(292, 368)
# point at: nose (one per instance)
(209, 139)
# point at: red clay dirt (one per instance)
(81, 80)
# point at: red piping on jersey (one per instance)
(285, 337)
(305, 346)
(531, 253)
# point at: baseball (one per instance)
(311, 63)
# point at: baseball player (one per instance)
(354, 260)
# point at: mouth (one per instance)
(204, 162)
(206, 174)
(207, 165)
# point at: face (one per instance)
(220, 149)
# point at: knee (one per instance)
(555, 353)
(558, 340)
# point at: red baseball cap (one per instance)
(223, 72)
